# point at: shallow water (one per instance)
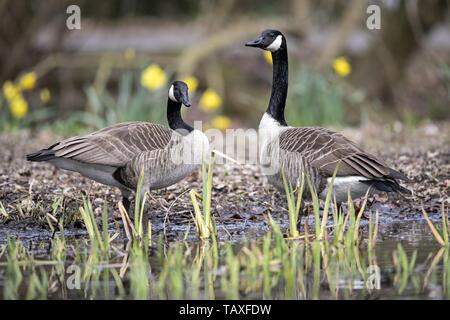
(250, 267)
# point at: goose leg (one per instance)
(126, 204)
(301, 213)
(126, 200)
(339, 209)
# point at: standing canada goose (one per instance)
(116, 155)
(314, 152)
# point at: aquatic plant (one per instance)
(88, 216)
(404, 267)
(204, 221)
(440, 233)
(140, 228)
(294, 203)
(3, 211)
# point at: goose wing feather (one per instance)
(115, 145)
(323, 149)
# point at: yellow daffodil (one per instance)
(153, 77)
(268, 57)
(10, 91)
(192, 83)
(28, 81)
(129, 54)
(18, 107)
(342, 67)
(221, 122)
(45, 96)
(210, 100)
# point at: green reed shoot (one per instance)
(134, 230)
(95, 235)
(139, 271)
(294, 203)
(203, 220)
(37, 285)
(87, 214)
(316, 246)
(267, 278)
(373, 233)
(56, 204)
(3, 211)
(176, 272)
(323, 226)
(289, 271)
(230, 284)
(446, 273)
(442, 233)
(139, 208)
(13, 273)
(403, 266)
(280, 244)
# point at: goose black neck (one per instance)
(174, 117)
(279, 84)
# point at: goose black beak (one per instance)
(185, 100)
(255, 43)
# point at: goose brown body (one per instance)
(315, 152)
(116, 155)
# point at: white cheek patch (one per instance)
(276, 44)
(171, 95)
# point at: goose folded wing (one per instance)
(115, 145)
(324, 150)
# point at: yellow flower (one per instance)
(210, 100)
(28, 81)
(221, 122)
(191, 82)
(45, 96)
(268, 56)
(18, 107)
(129, 54)
(153, 77)
(342, 67)
(10, 91)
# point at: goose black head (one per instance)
(270, 40)
(178, 92)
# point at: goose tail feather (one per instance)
(388, 185)
(41, 155)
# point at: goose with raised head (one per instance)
(116, 155)
(312, 151)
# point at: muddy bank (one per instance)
(241, 196)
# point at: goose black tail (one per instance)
(388, 185)
(41, 155)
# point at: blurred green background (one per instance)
(117, 67)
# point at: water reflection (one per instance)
(270, 268)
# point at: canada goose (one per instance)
(116, 155)
(312, 151)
